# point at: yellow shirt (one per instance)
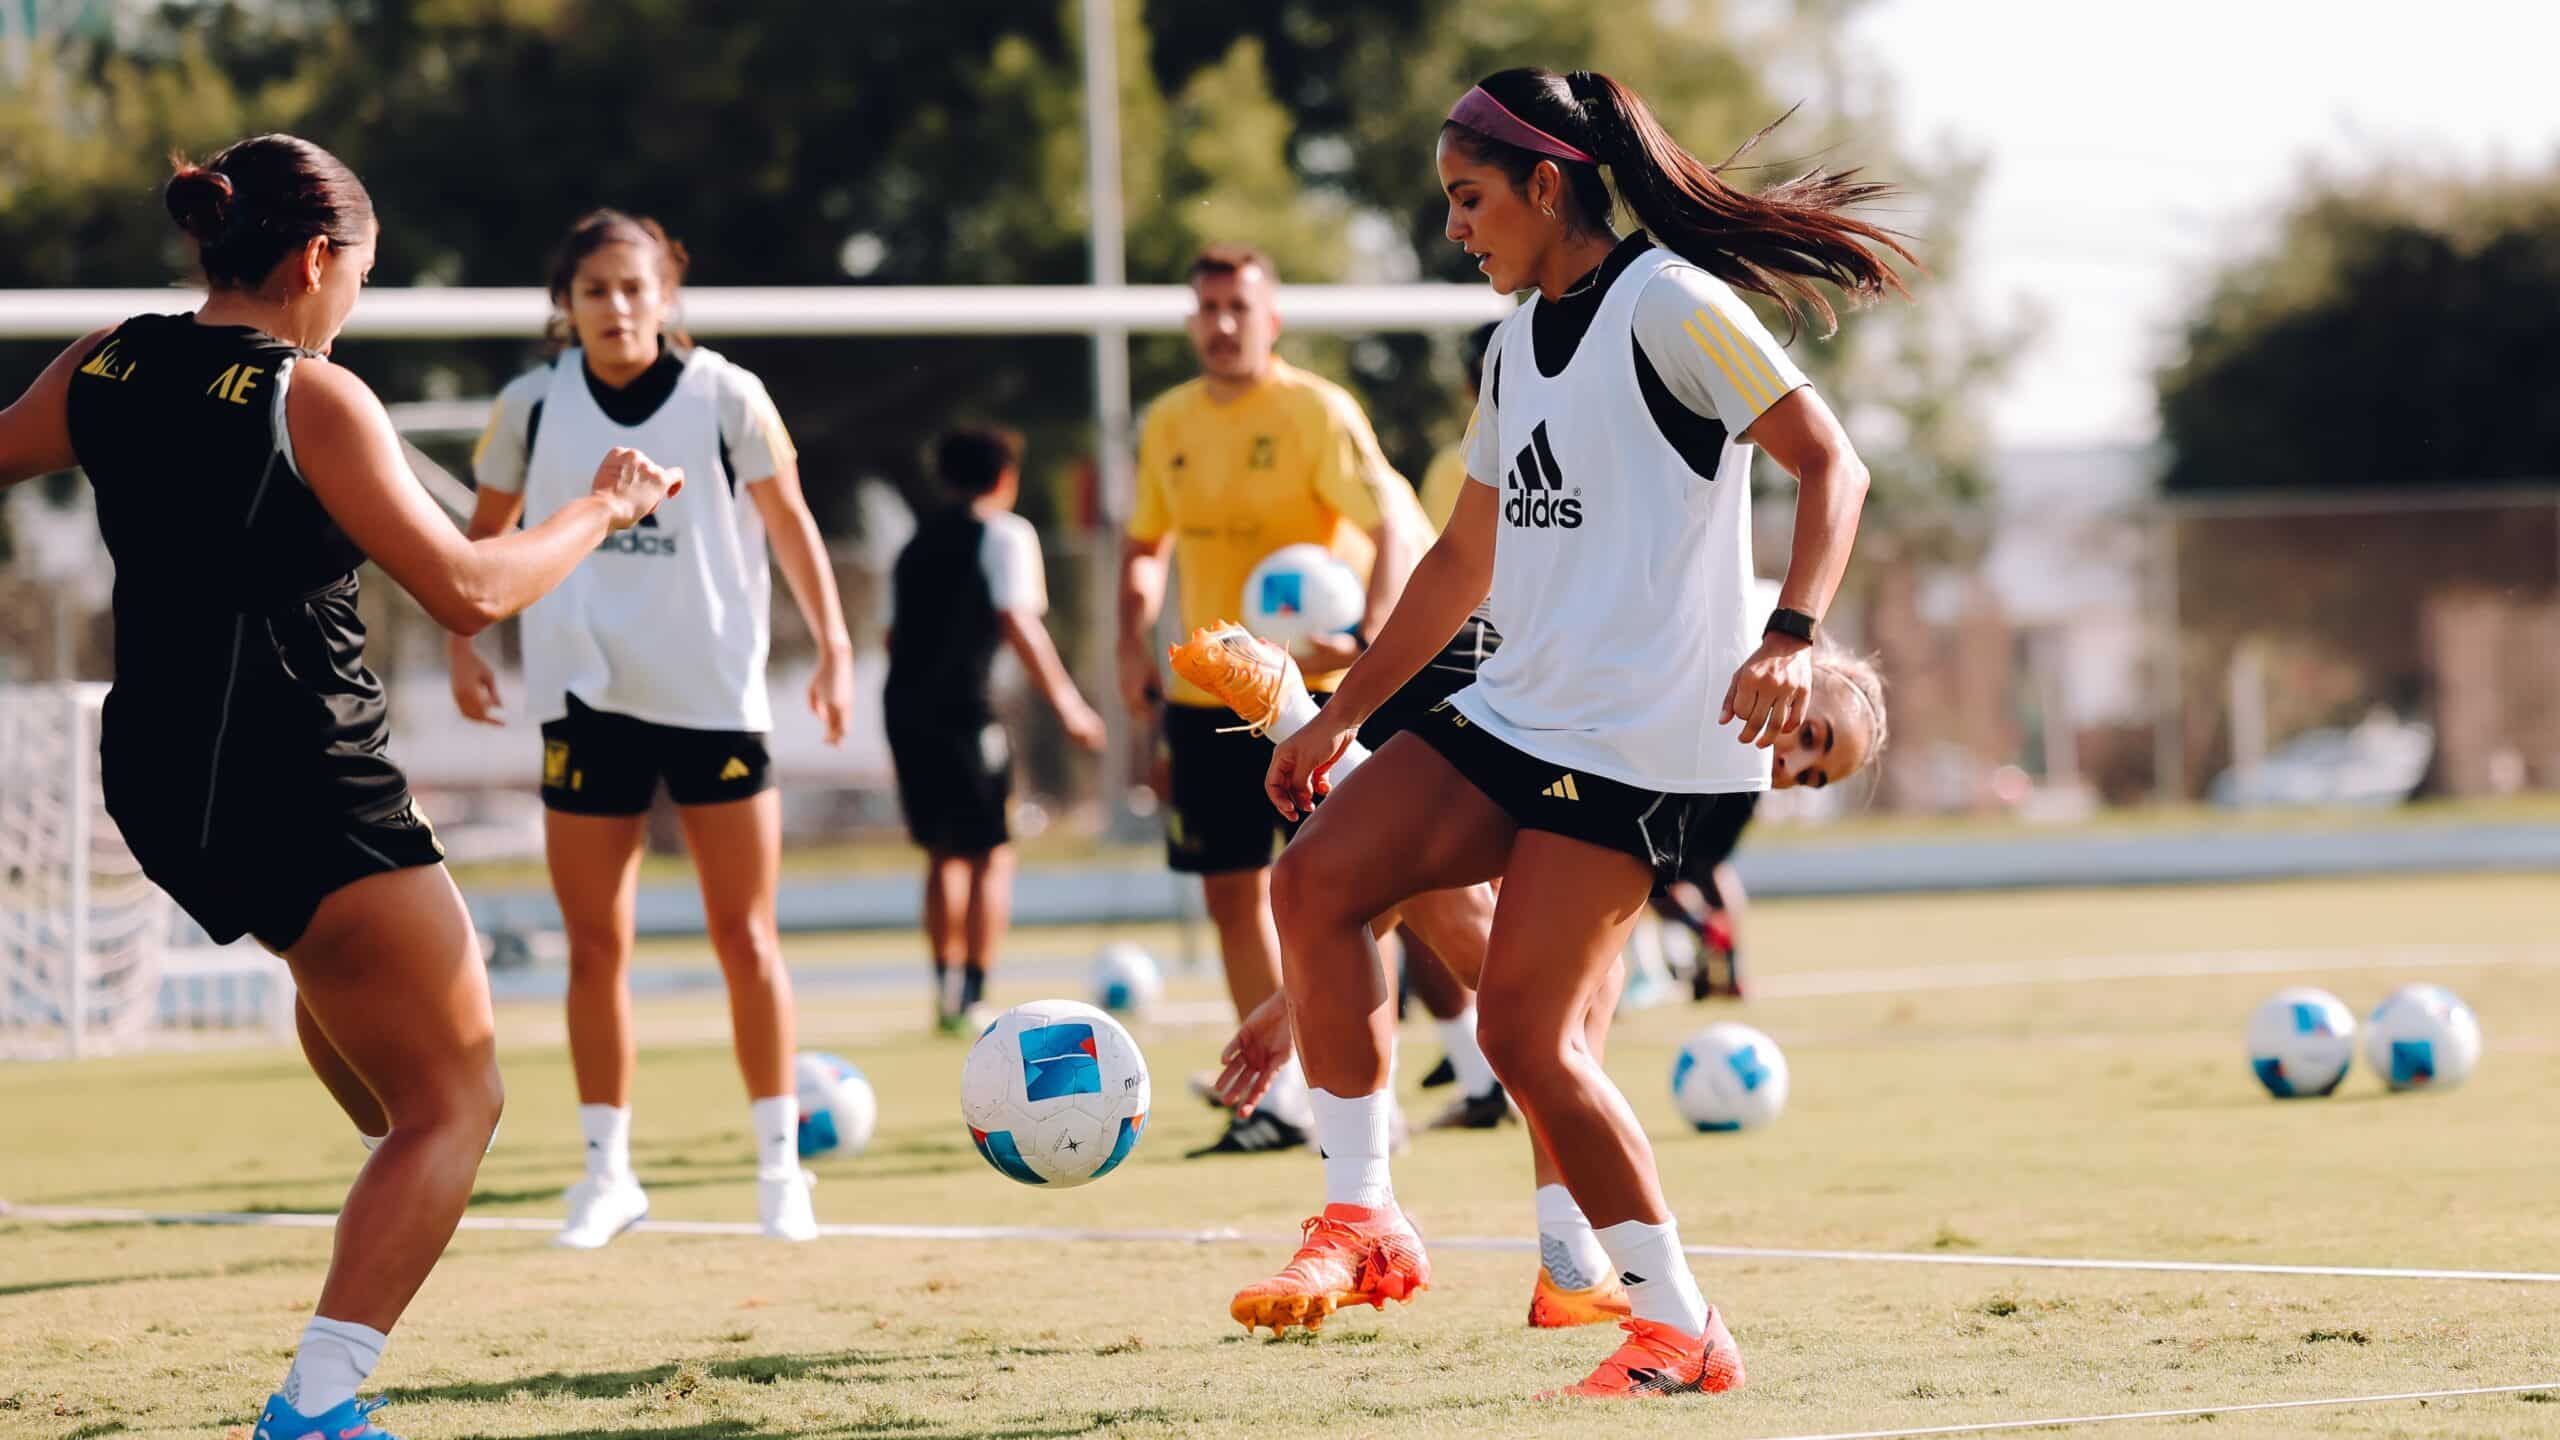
(1441, 483)
(1291, 461)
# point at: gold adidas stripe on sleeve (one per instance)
(1750, 354)
(1741, 384)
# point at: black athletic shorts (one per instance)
(249, 826)
(1450, 671)
(1219, 818)
(1715, 829)
(954, 783)
(268, 866)
(1652, 825)
(595, 762)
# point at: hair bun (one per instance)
(200, 200)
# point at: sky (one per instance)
(2131, 147)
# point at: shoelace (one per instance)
(1328, 1228)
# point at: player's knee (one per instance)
(1311, 890)
(1524, 1049)
(596, 952)
(748, 947)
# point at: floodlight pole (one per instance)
(1112, 462)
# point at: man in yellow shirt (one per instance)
(1253, 455)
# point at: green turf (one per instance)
(2113, 1118)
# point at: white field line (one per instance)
(536, 1224)
(2090, 969)
(1988, 1427)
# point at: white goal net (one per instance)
(81, 930)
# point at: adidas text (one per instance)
(633, 542)
(1535, 486)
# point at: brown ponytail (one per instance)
(1776, 243)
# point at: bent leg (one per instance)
(391, 973)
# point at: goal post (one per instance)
(82, 931)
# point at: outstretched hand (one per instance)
(1262, 1044)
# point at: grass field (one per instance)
(1063, 845)
(1964, 1086)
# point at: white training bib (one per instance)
(1621, 576)
(668, 621)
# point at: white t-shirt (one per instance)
(1622, 571)
(668, 621)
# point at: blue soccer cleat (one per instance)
(351, 1420)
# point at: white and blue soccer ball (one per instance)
(837, 1108)
(2422, 1038)
(1055, 1093)
(1126, 979)
(2301, 1042)
(1302, 590)
(1729, 1077)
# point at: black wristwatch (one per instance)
(1792, 623)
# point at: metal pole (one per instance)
(83, 757)
(1112, 461)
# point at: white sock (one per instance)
(608, 1131)
(371, 1143)
(336, 1358)
(1352, 1131)
(1287, 1097)
(1656, 1274)
(1296, 709)
(1566, 1242)
(777, 1124)
(1466, 1057)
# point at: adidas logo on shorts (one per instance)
(1563, 789)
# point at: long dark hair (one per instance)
(592, 232)
(1776, 243)
(259, 200)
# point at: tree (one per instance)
(2394, 334)
(901, 141)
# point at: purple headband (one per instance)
(1480, 112)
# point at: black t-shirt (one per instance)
(944, 634)
(237, 643)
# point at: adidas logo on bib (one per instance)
(1536, 484)
(1563, 789)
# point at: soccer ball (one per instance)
(1126, 980)
(2422, 1038)
(2301, 1042)
(1055, 1093)
(1302, 590)
(837, 1108)
(1729, 1077)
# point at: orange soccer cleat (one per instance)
(1659, 1360)
(1352, 1255)
(1553, 1307)
(1248, 674)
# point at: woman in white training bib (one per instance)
(1607, 515)
(648, 665)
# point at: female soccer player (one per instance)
(241, 478)
(1611, 460)
(649, 665)
(1844, 728)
